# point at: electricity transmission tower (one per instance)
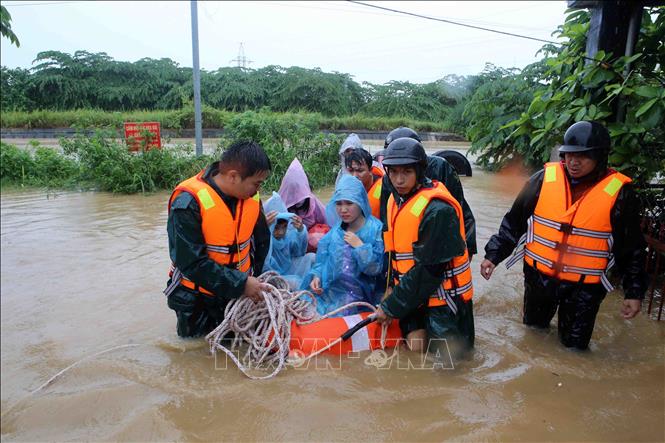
(241, 59)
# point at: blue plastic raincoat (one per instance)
(286, 255)
(348, 274)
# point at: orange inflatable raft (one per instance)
(310, 338)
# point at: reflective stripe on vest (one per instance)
(572, 241)
(228, 239)
(402, 233)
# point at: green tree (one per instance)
(233, 89)
(578, 88)
(58, 82)
(14, 84)
(313, 90)
(499, 98)
(94, 80)
(6, 26)
(404, 99)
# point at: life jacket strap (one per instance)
(228, 249)
(403, 256)
(176, 276)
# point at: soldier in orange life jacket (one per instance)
(576, 219)
(437, 169)
(218, 237)
(429, 262)
(359, 164)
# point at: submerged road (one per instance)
(84, 271)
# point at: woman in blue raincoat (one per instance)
(350, 256)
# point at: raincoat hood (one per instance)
(295, 189)
(275, 203)
(295, 185)
(284, 216)
(352, 141)
(351, 189)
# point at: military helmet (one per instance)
(585, 136)
(399, 133)
(405, 151)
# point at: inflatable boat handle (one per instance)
(357, 327)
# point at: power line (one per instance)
(14, 5)
(452, 22)
(355, 10)
(355, 43)
(602, 63)
(308, 6)
(397, 50)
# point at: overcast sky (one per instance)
(371, 45)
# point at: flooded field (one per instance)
(83, 272)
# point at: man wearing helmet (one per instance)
(576, 219)
(429, 263)
(439, 169)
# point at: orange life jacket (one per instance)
(227, 238)
(572, 241)
(377, 172)
(309, 338)
(374, 193)
(402, 233)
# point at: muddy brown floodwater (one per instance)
(83, 272)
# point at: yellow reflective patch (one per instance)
(550, 174)
(418, 206)
(256, 197)
(613, 186)
(205, 199)
(377, 191)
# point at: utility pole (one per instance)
(197, 80)
(614, 27)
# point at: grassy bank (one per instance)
(97, 163)
(212, 118)
(103, 162)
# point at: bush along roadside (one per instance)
(97, 163)
(285, 139)
(45, 167)
(103, 163)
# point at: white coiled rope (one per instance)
(262, 330)
(265, 327)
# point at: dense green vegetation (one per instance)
(501, 96)
(102, 162)
(530, 110)
(212, 118)
(509, 115)
(62, 82)
(93, 90)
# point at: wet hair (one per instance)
(246, 157)
(282, 222)
(360, 156)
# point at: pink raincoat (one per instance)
(294, 190)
